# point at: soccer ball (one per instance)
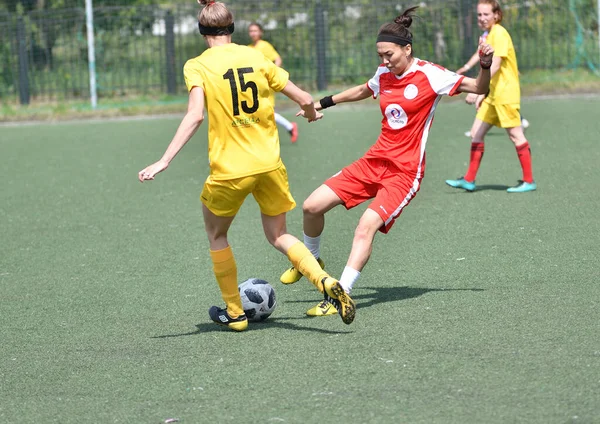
(258, 299)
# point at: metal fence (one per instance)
(141, 50)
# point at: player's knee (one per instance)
(364, 232)
(272, 238)
(311, 207)
(274, 235)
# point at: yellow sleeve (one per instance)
(192, 76)
(277, 77)
(269, 51)
(500, 42)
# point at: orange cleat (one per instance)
(294, 132)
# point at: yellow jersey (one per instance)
(504, 86)
(270, 53)
(242, 134)
(267, 49)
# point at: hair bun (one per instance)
(406, 18)
(206, 2)
(405, 21)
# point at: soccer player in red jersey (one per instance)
(409, 90)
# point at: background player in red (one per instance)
(409, 90)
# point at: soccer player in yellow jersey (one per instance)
(234, 83)
(502, 104)
(255, 32)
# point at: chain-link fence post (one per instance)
(170, 52)
(91, 45)
(598, 27)
(469, 46)
(321, 46)
(23, 62)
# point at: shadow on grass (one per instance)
(388, 294)
(210, 327)
(484, 187)
(363, 300)
(392, 294)
(496, 187)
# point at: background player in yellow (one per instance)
(501, 107)
(472, 98)
(255, 31)
(235, 83)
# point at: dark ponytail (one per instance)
(397, 31)
(406, 18)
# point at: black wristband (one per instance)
(326, 102)
(485, 67)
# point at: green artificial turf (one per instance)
(478, 307)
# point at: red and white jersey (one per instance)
(408, 102)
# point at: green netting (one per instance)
(588, 53)
(47, 48)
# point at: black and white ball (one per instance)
(258, 299)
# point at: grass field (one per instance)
(476, 308)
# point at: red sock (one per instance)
(524, 153)
(476, 156)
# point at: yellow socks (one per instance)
(305, 262)
(225, 271)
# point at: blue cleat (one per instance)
(461, 183)
(523, 187)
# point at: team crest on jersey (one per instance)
(411, 91)
(396, 116)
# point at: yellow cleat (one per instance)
(322, 309)
(335, 294)
(292, 275)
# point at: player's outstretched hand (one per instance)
(471, 98)
(311, 115)
(316, 117)
(149, 172)
(486, 54)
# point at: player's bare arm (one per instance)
(354, 94)
(188, 127)
(304, 100)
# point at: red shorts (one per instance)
(366, 179)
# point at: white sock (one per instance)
(313, 244)
(349, 277)
(284, 122)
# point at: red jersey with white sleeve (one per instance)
(408, 103)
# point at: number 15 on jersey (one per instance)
(244, 86)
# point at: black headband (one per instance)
(204, 30)
(401, 41)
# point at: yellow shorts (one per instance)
(270, 189)
(503, 116)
